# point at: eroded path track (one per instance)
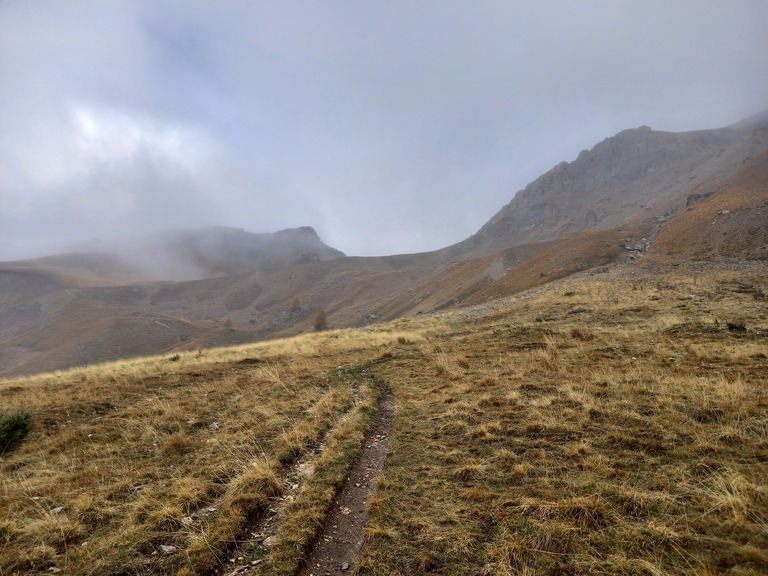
(339, 545)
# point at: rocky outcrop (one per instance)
(632, 178)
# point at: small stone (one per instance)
(57, 509)
(269, 542)
(167, 549)
(213, 427)
(345, 566)
(54, 570)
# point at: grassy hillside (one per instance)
(612, 427)
(699, 195)
(609, 424)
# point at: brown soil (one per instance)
(339, 544)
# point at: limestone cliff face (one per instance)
(635, 178)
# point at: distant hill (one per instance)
(222, 251)
(638, 195)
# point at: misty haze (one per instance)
(383, 288)
(389, 129)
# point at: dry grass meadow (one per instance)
(612, 423)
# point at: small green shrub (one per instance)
(14, 427)
(7, 532)
(321, 321)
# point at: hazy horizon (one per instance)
(389, 128)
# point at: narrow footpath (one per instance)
(339, 544)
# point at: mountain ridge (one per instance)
(640, 194)
(637, 166)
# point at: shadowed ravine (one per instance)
(339, 544)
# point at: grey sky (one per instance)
(395, 126)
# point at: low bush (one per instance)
(14, 427)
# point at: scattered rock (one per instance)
(345, 566)
(213, 427)
(370, 319)
(692, 198)
(270, 541)
(167, 549)
(57, 509)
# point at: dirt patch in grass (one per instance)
(339, 544)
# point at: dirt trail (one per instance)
(339, 545)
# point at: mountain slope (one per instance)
(629, 180)
(640, 194)
(725, 218)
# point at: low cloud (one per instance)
(393, 127)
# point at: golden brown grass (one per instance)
(609, 424)
(628, 437)
(134, 456)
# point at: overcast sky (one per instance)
(389, 126)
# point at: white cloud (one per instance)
(111, 136)
(413, 120)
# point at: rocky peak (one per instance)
(636, 171)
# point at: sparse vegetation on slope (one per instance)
(697, 195)
(161, 465)
(726, 218)
(606, 431)
(611, 424)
